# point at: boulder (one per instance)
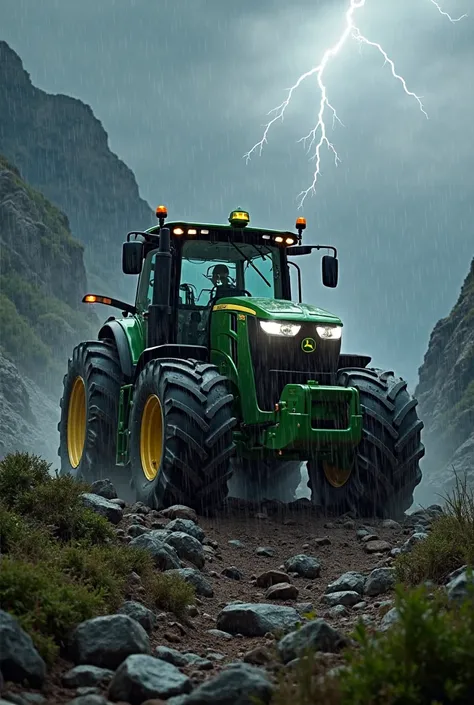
(107, 641)
(304, 566)
(140, 614)
(19, 659)
(111, 511)
(195, 578)
(348, 581)
(317, 635)
(256, 619)
(240, 684)
(186, 526)
(104, 488)
(141, 677)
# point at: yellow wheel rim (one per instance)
(76, 422)
(336, 476)
(151, 437)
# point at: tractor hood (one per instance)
(278, 310)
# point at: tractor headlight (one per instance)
(329, 332)
(276, 328)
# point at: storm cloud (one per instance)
(183, 87)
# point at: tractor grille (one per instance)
(279, 360)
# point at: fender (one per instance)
(353, 360)
(114, 331)
(179, 352)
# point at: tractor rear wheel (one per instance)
(89, 413)
(181, 436)
(385, 469)
(256, 480)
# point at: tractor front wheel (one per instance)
(89, 413)
(385, 467)
(181, 434)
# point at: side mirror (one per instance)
(132, 257)
(299, 250)
(330, 267)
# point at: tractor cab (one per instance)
(208, 263)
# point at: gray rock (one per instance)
(232, 572)
(86, 676)
(377, 546)
(282, 591)
(195, 578)
(412, 541)
(164, 557)
(19, 660)
(236, 543)
(256, 619)
(304, 607)
(360, 606)
(458, 586)
(111, 511)
(391, 524)
(379, 581)
(135, 530)
(389, 619)
(104, 488)
(220, 634)
(348, 581)
(176, 658)
(322, 541)
(186, 526)
(88, 691)
(265, 552)
(141, 678)
(240, 684)
(345, 597)
(361, 533)
(187, 547)
(304, 566)
(179, 511)
(89, 700)
(178, 700)
(317, 635)
(140, 614)
(337, 611)
(107, 641)
(202, 664)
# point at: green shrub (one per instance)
(21, 473)
(22, 538)
(450, 543)
(47, 603)
(105, 569)
(426, 658)
(170, 593)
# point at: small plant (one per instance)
(170, 593)
(47, 603)
(426, 658)
(450, 543)
(20, 474)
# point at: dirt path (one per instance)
(284, 533)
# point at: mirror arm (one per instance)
(323, 247)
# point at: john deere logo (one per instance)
(308, 345)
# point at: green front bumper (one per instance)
(311, 417)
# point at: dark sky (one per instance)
(183, 87)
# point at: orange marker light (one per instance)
(161, 212)
(301, 223)
(92, 299)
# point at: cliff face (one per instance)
(42, 281)
(62, 150)
(446, 394)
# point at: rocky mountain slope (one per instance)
(42, 281)
(446, 394)
(62, 150)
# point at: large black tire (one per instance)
(256, 480)
(96, 363)
(196, 422)
(386, 468)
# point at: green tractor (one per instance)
(215, 371)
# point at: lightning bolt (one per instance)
(318, 137)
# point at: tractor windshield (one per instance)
(210, 270)
(241, 269)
